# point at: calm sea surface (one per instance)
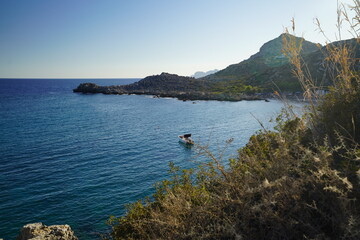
(77, 159)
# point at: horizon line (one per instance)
(69, 78)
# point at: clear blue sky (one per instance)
(136, 38)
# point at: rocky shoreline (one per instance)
(191, 96)
(39, 231)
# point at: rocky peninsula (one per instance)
(169, 85)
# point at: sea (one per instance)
(72, 158)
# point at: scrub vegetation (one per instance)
(298, 181)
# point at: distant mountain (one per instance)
(204, 74)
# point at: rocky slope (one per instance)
(269, 56)
(319, 68)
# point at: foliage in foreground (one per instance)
(299, 181)
(282, 186)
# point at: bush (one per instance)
(280, 187)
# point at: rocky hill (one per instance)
(281, 77)
(257, 71)
(269, 56)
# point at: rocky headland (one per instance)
(168, 85)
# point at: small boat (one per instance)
(186, 139)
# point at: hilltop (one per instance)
(269, 56)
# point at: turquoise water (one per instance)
(77, 159)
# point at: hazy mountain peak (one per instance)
(200, 74)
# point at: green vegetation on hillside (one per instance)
(235, 87)
(298, 181)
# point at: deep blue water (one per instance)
(77, 159)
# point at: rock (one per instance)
(87, 87)
(39, 231)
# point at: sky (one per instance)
(138, 38)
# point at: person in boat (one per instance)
(187, 138)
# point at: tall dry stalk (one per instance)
(341, 69)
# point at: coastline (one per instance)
(92, 88)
